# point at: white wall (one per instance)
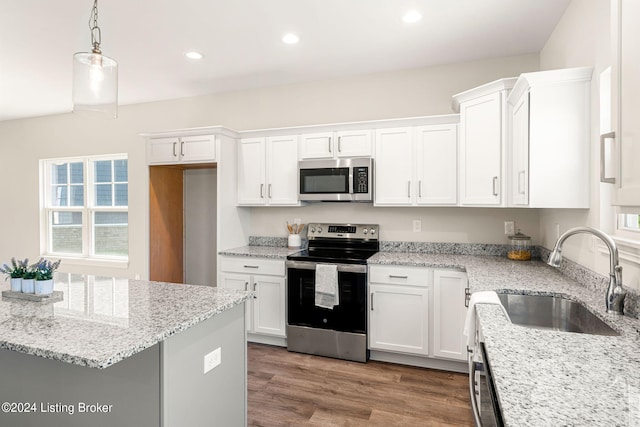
(582, 37)
(406, 93)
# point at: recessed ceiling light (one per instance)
(194, 55)
(290, 38)
(412, 16)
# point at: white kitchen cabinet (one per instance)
(327, 145)
(481, 137)
(449, 313)
(399, 309)
(548, 140)
(626, 103)
(416, 165)
(268, 171)
(185, 149)
(265, 313)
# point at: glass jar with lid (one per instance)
(519, 247)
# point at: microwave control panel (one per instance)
(361, 179)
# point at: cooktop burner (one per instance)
(339, 243)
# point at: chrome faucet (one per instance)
(615, 292)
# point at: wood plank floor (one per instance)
(291, 389)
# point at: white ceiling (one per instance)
(241, 40)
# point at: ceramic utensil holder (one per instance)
(294, 241)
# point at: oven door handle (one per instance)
(309, 265)
(473, 367)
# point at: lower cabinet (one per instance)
(417, 311)
(266, 313)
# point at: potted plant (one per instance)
(28, 280)
(15, 271)
(44, 270)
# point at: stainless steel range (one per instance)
(327, 291)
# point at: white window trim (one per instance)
(86, 259)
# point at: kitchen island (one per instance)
(118, 352)
(546, 377)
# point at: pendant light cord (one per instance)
(96, 35)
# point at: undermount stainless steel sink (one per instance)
(556, 313)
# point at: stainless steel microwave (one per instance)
(336, 180)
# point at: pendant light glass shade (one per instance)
(95, 84)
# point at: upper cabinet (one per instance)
(483, 123)
(626, 102)
(416, 165)
(268, 171)
(327, 145)
(184, 149)
(548, 148)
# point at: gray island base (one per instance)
(150, 368)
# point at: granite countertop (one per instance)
(102, 321)
(251, 251)
(545, 377)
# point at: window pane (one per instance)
(103, 195)
(59, 196)
(59, 174)
(122, 194)
(121, 173)
(66, 232)
(103, 171)
(77, 176)
(111, 233)
(77, 195)
(631, 221)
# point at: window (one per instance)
(628, 225)
(85, 207)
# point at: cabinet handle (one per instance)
(339, 146)
(603, 177)
(174, 149)
(393, 276)
(495, 185)
(420, 188)
(409, 189)
(269, 190)
(371, 301)
(254, 286)
(467, 296)
(246, 286)
(182, 148)
(329, 145)
(262, 191)
(521, 181)
(251, 266)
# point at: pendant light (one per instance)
(95, 76)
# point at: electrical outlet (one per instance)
(509, 227)
(212, 359)
(417, 226)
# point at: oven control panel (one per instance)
(343, 231)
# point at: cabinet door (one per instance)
(316, 145)
(481, 150)
(520, 152)
(198, 149)
(398, 318)
(269, 305)
(437, 167)
(449, 313)
(626, 105)
(240, 282)
(163, 151)
(282, 170)
(394, 167)
(354, 143)
(251, 172)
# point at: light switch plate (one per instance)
(213, 359)
(417, 226)
(509, 227)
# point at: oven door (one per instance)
(349, 316)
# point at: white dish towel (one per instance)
(485, 297)
(327, 292)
